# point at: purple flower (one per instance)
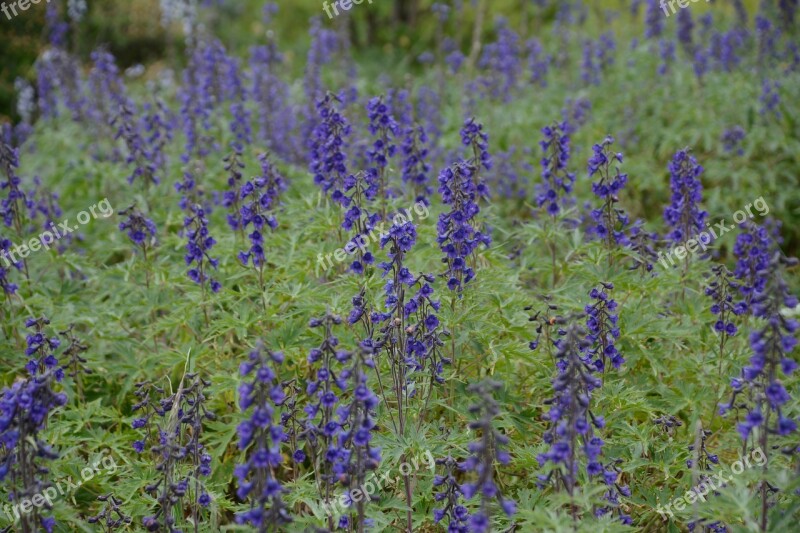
(416, 165)
(555, 191)
(610, 221)
(259, 199)
(484, 453)
(732, 139)
(602, 323)
(328, 156)
(683, 215)
(140, 229)
(262, 441)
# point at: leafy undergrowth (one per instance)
(522, 321)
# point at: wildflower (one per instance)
(557, 181)
(490, 447)
(259, 199)
(200, 242)
(732, 139)
(384, 128)
(261, 437)
(111, 518)
(140, 229)
(573, 424)
(416, 165)
(327, 149)
(450, 495)
(610, 221)
(684, 215)
(603, 325)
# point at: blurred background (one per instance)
(390, 32)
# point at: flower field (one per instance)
(521, 266)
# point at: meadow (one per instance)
(512, 267)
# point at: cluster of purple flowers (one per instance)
(449, 495)
(324, 42)
(685, 29)
(667, 54)
(8, 287)
(25, 408)
(260, 437)
(328, 145)
(200, 242)
(157, 126)
(654, 19)
(609, 221)
(573, 424)
(457, 235)
(461, 188)
(602, 323)
(538, 63)
(360, 188)
(732, 139)
(416, 166)
(770, 99)
(175, 440)
(321, 426)
(259, 199)
(575, 114)
(754, 248)
(502, 59)
(339, 425)
(140, 229)
(16, 202)
(557, 181)
(590, 68)
(107, 91)
(384, 128)
(488, 449)
(684, 215)
(772, 345)
(128, 129)
(411, 321)
(40, 349)
(473, 136)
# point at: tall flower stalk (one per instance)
(328, 143)
(384, 128)
(556, 187)
(764, 396)
(603, 325)
(486, 452)
(684, 216)
(259, 199)
(341, 420)
(261, 435)
(25, 408)
(141, 231)
(610, 222)
(573, 424)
